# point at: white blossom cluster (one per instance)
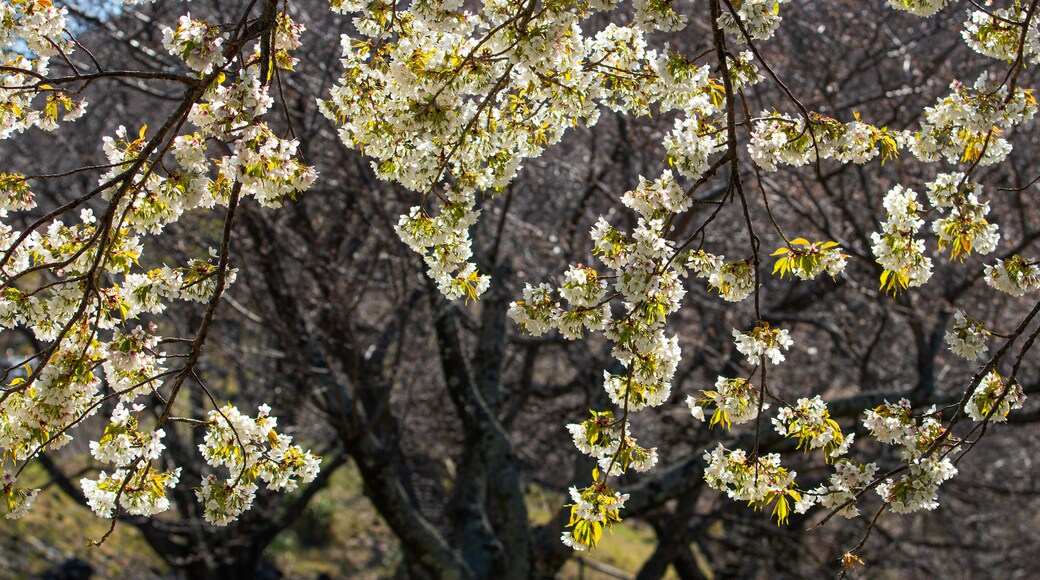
(756, 480)
(841, 490)
(681, 85)
(133, 361)
(743, 71)
(928, 464)
(31, 33)
(600, 437)
(593, 508)
(15, 501)
(250, 449)
(921, 8)
(895, 247)
(650, 391)
(831, 260)
(64, 391)
(540, 310)
(691, 143)
(286, 39)
(135, 484)
(777, 138)
(966, 229)
(140, 491)
(760, 18)
(944, 191)
(734, 281)
(968, 125)
(967, 337)
(196, 42)
(584, 290)
(918, 489)
(265, 165)
(994, 398)
(926, 444)
(997, 33)
(123, 444)
(445, 245)
(649, 293)
(891, 423)
(94, 340)
(810, 422)
(1014, 275)
(736, 401)
(763, 341)
(39, 24)
(582, 287)
(224, 501)
(656, 15)
(658, 198)
(228, 108)
(697, 133)
(445, 120)
(647, 277)
(629, 456)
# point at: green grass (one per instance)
(57, 529)
(340, 534)
(625, 547)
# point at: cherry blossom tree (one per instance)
(449, 102)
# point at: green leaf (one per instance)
(781, 510)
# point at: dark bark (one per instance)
(487, 440)
(671, 539)
(420, 540)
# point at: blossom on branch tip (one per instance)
(967, 337)
(736, 401)
(994, 398)
(763, 341)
